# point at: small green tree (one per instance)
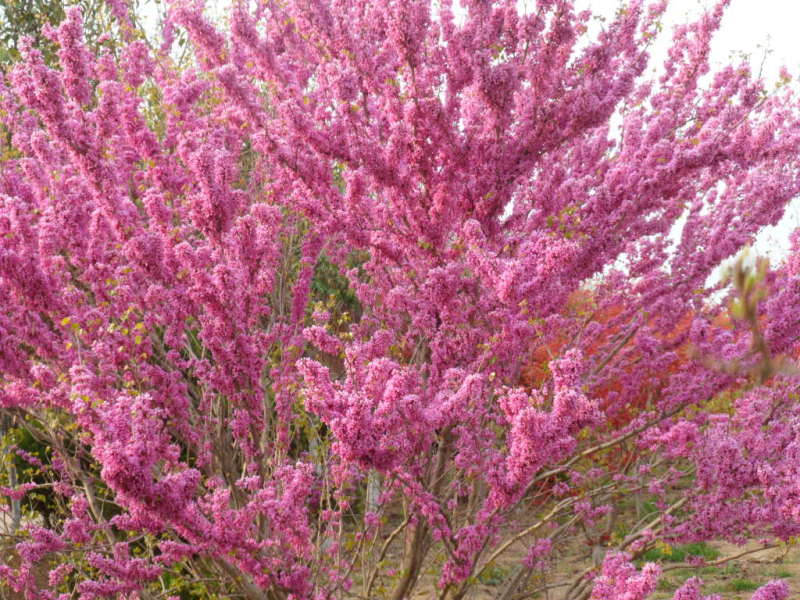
(21, 18)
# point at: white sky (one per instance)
(767, 31)
(748, 26)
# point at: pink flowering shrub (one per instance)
(619, 579)
(214, 429)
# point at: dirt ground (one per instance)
(732, 580)
(736, 580)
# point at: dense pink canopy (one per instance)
(160, 230)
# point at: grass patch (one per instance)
(667, 585)
(782, 574)
(743, 585)
(666, 553)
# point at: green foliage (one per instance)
(20, 18)
(178, 581)
(493, 575)
(41, 501)
(331, 288)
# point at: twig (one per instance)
(720, 561)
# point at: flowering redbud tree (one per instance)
(265, 317)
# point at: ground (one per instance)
(733, 580)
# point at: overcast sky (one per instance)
(750, 27)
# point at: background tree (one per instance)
(26, 18)
(208, 422)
